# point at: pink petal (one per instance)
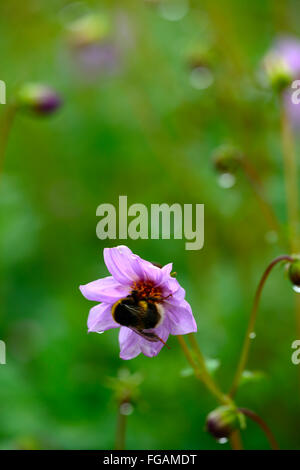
(180, 318)
(122, 264)
(289, 50)
(150, 272)
(100, 318)
(151, 349)
(132, 344)
(129, 343)
(172, 286)
(104, 290)
(167, 269)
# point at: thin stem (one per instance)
(235, 440)
(258, 189)
(121, 430)
(201, 361)
(290, 171)
(198, 352)
(290, 174)
(6, 125)
(224, 30)
(252, 320)
(257, 419)
(203, 376)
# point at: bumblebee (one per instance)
(140, 314)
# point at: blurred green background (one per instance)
(144, 126)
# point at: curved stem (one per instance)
(290, 172)
(202, 374)
(5, 129)
(253, 315)
(290, 176)
(257, 419)
(258, 189)
(121, 430)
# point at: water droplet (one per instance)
(226, 180)
(100, 332)
(126, 409)
(222, 440)
(252, 335)
(173, 11)
(201, 78)
(296, 289)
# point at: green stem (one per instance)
(227, 40)
(202, 374)
(235, 440)
(259, 192)
(290, 172)
(6, 125)
(257, 419)
(252, 320)
(201, 361)
(290, 176)
(121, 430)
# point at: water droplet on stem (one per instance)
(222, 440)
(126, 409)
(226, 180)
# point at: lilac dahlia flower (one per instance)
(132, 282)
(288, 49)
(286, 52)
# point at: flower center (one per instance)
(146, 289)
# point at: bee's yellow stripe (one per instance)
(113, 309)
(143, 305)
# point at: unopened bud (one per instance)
(222, 421)
(226, 159)
(88, 29)
(38, 98)
(278, 72)
(294, 273)
(199, 56)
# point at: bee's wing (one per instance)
(133, 309)
(152, 337)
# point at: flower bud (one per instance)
(199, 56)
(126, 387)
(294, 273)
(226, 159)
(222, 421)
(88, 29)
(278, 72)
(38, 98)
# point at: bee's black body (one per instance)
(139, 314)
